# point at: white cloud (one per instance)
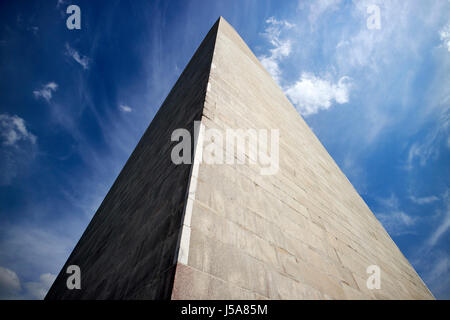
(429, 146)
(280, 23)
(439, 274)
(34, 254)
(13, 130)
(18, 148)
(395, 220)
(318, 7)
(355, 173)
(374, 49)
(9, 284)
(423, 200)
(60, 3)
(444, 224)
(31, 249)
(311, 94)
(281, 47)
(442, 229)
(389, 203)
(38, 289)
(82, 60)
(444, 35)
(433, 257)
(423, 152)
(441, 267)
(11, 287)
(46, 91)
(125, 108)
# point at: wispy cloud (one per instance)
(442, 229)
(34, 29)
(432, 255)
(422, 151)
(444, 224)
(34, 253)
(38, 290)
(12, 288)
(125, 108)
(441, 267)
(281, 47)
(389, 203)
(46, 91)
(31, 248)
(438, 273)
(14, 130)
(318, 7)
(19, 147)
(60, 3)
(395, 220)
(84, 61)
(423, 200)
(444, 35)
(311, 94)
(429, 147)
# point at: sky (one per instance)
(371, 79)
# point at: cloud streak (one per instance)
(83, 61)
(125, 108)
(444, 224)
(9, 284)
(319, 7)
(444, 35)
(429, 147)
(46, 92)
(424, 200)
(14, 130)
(281, 47)
(19, 147)
(395, 220)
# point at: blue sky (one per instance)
(73, 104)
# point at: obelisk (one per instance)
(201, 230)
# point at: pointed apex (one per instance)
(221, 19)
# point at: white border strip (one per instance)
(183, 251)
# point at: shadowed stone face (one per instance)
(129, 249)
